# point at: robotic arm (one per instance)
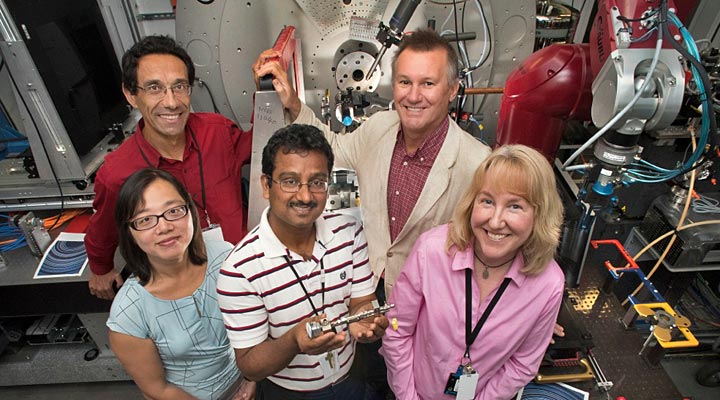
(639, 84)
(638, 81)
(630, 78)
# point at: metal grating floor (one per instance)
(616, 349)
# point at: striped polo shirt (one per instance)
(260, 296)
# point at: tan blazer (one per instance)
(368, 150)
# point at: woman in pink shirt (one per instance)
(477, 299)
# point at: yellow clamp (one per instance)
(663, 335)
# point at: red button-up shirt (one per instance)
(224, 149)
(407, 176)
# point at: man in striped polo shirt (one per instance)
(296, 266)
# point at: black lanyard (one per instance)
(307, 294)
(202, 175)
(470, 336)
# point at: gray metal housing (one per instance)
(58, 164)
(225, 37)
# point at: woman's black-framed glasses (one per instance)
(150, 221)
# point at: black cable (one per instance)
(462, 29)
(457, 37)
(489, 42)
(697, 165)
(626, 19)
(487, 39)
(469, 82)
(705, 97)
(212, 98)
(459, 102)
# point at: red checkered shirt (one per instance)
(408, 173)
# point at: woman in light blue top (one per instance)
(165, 322)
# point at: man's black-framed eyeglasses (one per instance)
(292, 185)
(150, 221)
(159, 91)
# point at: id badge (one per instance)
(213, 233)
(451, 387)
(466, 386)
(329, 363)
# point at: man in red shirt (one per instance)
(204, 151)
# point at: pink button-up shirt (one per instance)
(429, 298)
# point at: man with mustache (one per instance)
(204, 151)
(298, 265)
(413, 163)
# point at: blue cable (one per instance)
(665, 174)
(13, 233)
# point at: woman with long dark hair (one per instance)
(165, 323)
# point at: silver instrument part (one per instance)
(315, 328)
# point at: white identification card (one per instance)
(329, 363)
(213, 233)
(466, 386)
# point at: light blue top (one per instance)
(188, 332)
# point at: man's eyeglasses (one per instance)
(151, 221)
(159, 91)
(292, 185)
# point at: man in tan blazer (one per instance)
(413, 163)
